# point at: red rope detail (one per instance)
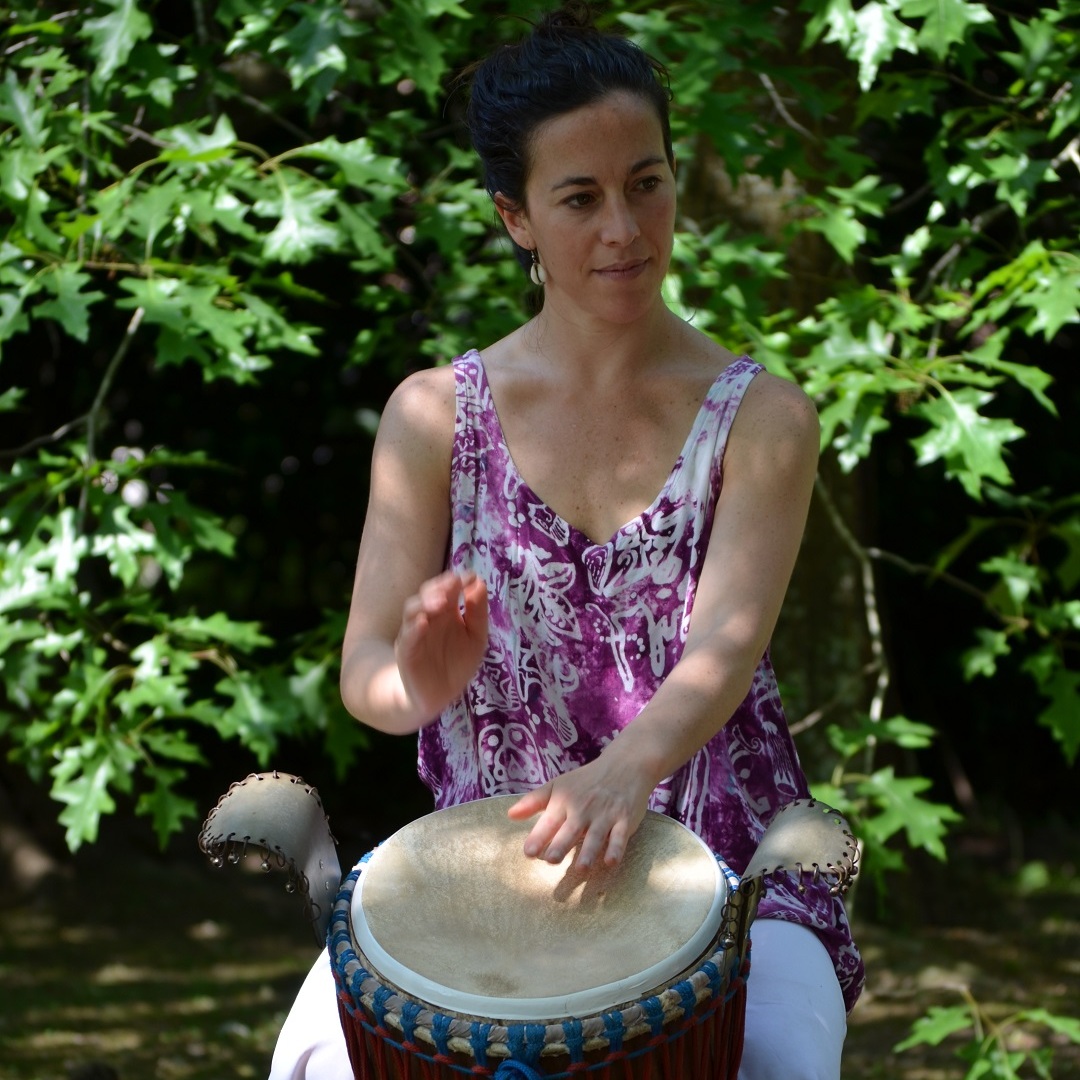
(383, 1069)
(647, 1063)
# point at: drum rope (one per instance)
(726, 1044)
(511, 1068)
(641, 1042)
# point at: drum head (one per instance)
(451, 911)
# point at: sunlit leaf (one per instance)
(936, 1026)
(260, 715)
(1064, 1025)
(192, 145)
(219, 628)
(945, 22)
(114, 35)
(1056, 304)
(315, 42)
(71, 305)
(82, 779)
(840, 225)
(19, 107)
(901, 808)
(302, 231)
(167, 810)
(965, 439)
(870, 35)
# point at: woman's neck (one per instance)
(593, 351)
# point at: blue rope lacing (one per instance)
(511, 1069)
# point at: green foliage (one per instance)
(879, 805)
(1001, 1049)
(931, 329)
(264, 185)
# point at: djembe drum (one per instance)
(456, 955)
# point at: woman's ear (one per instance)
(513, 217)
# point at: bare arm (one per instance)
(769, 469)
(415, 635)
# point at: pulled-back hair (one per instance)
(563, 64)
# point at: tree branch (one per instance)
(978, 224)
(99, 399)
(781, 108)
(44, 440)
(879, 661)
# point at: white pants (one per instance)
(795, 1017)
(796, 1021)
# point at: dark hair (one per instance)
(563, 64)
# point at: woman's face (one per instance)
(599, 208)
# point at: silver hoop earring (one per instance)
(536, 271)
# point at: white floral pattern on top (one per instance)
(581, 635)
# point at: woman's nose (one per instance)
(619, 226)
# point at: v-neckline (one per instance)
(583, 540)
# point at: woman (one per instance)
(555, 606)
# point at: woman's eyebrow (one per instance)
(585, 181)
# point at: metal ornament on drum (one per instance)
(454, 954)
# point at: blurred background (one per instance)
(228, 230)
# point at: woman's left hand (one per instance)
(599, 805)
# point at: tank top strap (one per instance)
(700, 466)
(479, 455)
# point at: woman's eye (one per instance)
(581, 199)
(650, 183)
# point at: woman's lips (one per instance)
(624, 271)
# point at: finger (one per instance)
(617, 840)
(475, 596)
(412, 607)
(564, 841)
(440, 593)
(543, 832)
(414, 621)
(530, 803)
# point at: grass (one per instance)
(162, 968)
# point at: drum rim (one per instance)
(593, 1000)
(716, 978)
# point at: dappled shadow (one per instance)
(156, 967)
(1002, 931)
(165, 969)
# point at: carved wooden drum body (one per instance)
(456, 955)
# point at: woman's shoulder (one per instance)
(774, 395)
(428, 388)
(776, 419)
(420, 411)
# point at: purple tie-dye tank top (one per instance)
(581, 635)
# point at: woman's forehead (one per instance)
(619, 132)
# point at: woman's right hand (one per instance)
(443, 635)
